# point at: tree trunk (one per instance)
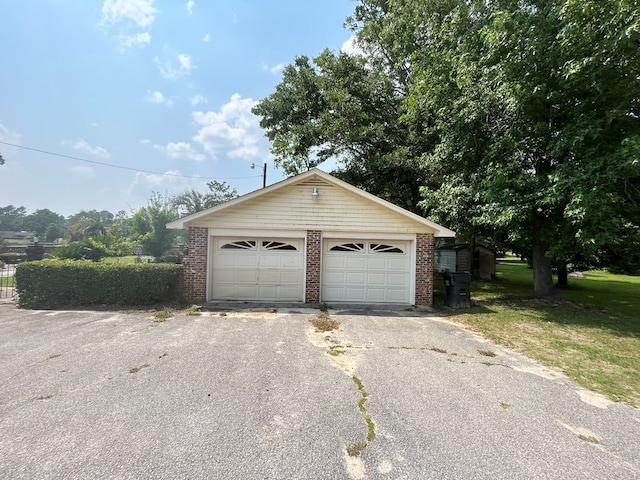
(542, 274)
(563, 277)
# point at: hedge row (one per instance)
(58, 283)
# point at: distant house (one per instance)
(455, 258)
(310, 238)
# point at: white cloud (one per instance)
(7, 136)
(140, 12)
(82, 146)
(137, 40)
(170, 182)
(145, 141)
(181, 150)
(350, 47)
(185, 61)
(277, 68)
(197, 99)
(233, 131)
(207, 37)
(170, 72)
(158, 98)
(190, 5)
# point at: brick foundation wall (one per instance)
(314, 249)
(194, 268)
(424, 269)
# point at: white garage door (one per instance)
(370, 271)
(258, 269)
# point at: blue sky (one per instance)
(160, 86)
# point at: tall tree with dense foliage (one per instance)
(11, 218)
(519, 119)
(193, 201)
(39, 221)
(337, 106)
(537, 109)
(148, 225)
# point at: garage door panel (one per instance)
(376, 295)
(376, 278)
(334, 262)
(377, 263)
(355, 294)
(268, 276)
(396, 263)
(227, 261)
(355, 262)
(247, 276)
(257, 269)
(245, 259)
(355, 278)
(289, 277)
(334, 277)
(290, 261)
(366, 271)
(398, 296)
(394, 279)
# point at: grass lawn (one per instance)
(591, 331)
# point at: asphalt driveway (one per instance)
(256, 395)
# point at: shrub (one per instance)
(86, 249)
(168, 259)
(54, 283)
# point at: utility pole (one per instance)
(264, 173)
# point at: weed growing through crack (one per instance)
(438, 350)
(324, 323)
(194, 311)
(588, 438)
(43, 397)
(487, 353)
(163, 315)
(336, 350)
(505, 405)
(137, 369)
(357, 448)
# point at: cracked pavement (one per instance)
(255, 394)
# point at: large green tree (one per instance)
(536, 106)
(11, 218)
(148, 225)
(519, 119)
(89, 224)
(336, 106)
(193, 201)
(39, 221)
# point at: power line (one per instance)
(104, 164)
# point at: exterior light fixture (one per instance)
(315, 194)
(264, 173)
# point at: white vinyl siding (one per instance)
(293, 208)
(258, 269)
(366, 271)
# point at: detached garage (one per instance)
(310, 238)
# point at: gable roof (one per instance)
(311, 177)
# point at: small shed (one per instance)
(455, 258)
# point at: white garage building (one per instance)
(310, 238)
